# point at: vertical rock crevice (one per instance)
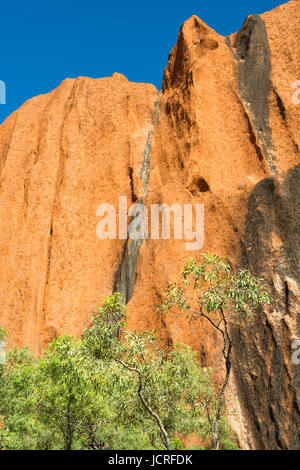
(125, 276)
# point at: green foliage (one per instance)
(3, 333)
(196, 447)
(177, 444)
(212, 285)
(86, 393)
(227, 444)
(102, 337)
(211, 289)
(16, 393)
(173, 384)
(49, 403)
(70, 395)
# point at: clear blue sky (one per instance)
(43, 42)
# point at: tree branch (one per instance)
(164, 434)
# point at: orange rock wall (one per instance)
(224, 120)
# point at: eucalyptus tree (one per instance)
(168, 389)
(213, 290)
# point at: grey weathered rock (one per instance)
(268, 381)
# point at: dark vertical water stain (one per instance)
(252, 53)
(125, 276)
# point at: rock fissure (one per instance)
(125, 277)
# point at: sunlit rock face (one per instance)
(222, 131)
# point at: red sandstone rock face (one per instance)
(63, 154)
(224, 120)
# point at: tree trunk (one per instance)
(227, 356)
(216, 437)
(164, 435)
(69, 436)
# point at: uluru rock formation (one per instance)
(224, 132)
